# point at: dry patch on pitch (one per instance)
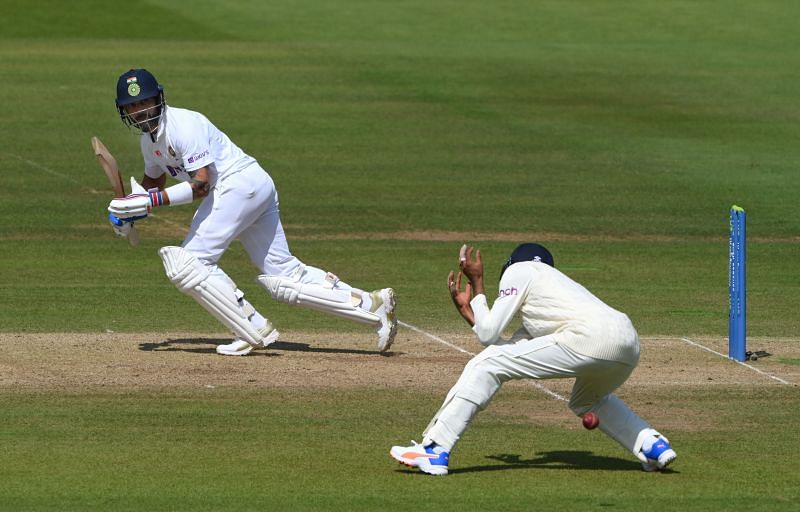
(124, 362)
(670, 368)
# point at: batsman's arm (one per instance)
(182, 193)
(148, 182)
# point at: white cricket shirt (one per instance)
(553, 304)
(187, 141)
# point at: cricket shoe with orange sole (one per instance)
(431, 459)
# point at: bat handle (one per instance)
(133, 237)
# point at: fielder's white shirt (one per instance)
(187, 141)
(554, 305)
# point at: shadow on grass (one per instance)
(568, 459)
(563, 459)
(200, 346)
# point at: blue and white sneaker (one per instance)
(658, 452)
(431, 459)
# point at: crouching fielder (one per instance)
(566, 333)
(238, 200)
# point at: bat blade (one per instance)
(110, 167)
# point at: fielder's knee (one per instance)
(580, 404)
(478, 383)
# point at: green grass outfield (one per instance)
(618, 132)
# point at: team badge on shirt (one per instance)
(171, 151)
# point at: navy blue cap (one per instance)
(528, 252)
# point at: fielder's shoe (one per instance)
(431, 459)
(239, 347)
(658, 452)
(383, 305)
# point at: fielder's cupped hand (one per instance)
(461, 298)
(132, 205)
(473, 269)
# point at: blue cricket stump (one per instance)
(737, 285)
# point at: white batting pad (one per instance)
(314, 296)
(620, 423)
(216, 296)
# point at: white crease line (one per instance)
(48, 170)
(443, 342)
(693, 343)
(435, 338)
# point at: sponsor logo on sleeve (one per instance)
(508, 292)
(198, 156)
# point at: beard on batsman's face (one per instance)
(146, 119)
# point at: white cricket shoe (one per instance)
(383, 305)
(431, 459)
(239, 347)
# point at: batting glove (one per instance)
(122, 227)
(136, 188)
(132, 205)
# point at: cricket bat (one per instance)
(109, 165)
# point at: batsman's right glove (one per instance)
(122, 227)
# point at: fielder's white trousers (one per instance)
(539, 358)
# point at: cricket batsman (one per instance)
(566, 333)
(237, 200)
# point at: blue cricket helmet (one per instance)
(528, 252)
(137, 85)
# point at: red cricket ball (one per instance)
(590, 420)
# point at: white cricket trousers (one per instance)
(539, 358)
(244, 205)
